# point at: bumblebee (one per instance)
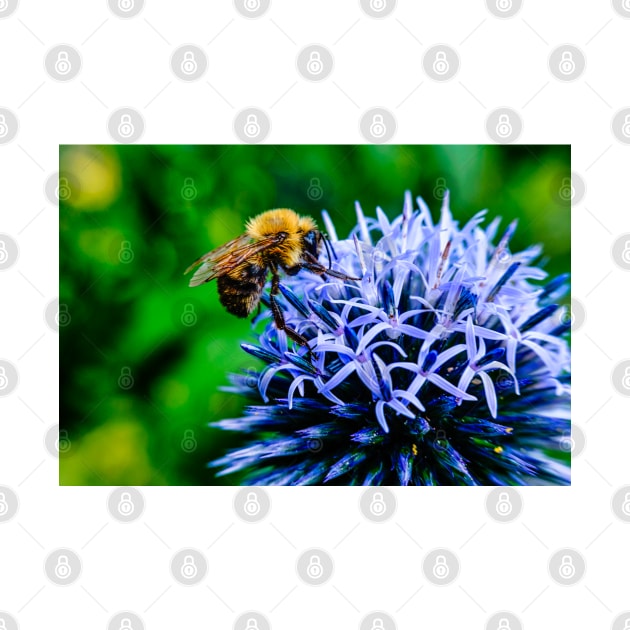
(273, 240)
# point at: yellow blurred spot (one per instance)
(414, 449)
(498, 450)
(112, 454)
(509, 429)
(94, 177)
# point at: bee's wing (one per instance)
(222, 260)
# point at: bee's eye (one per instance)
(311, 242)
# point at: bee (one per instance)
(274, 240)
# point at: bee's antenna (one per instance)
(329, 249)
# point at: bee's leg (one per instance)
(278, 316)
(312, 264)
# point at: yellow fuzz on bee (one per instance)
(282, 220)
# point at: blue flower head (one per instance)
(446, 364)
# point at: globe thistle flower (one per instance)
(446, 364)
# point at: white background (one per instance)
(252, 63)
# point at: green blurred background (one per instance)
(143, 356)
